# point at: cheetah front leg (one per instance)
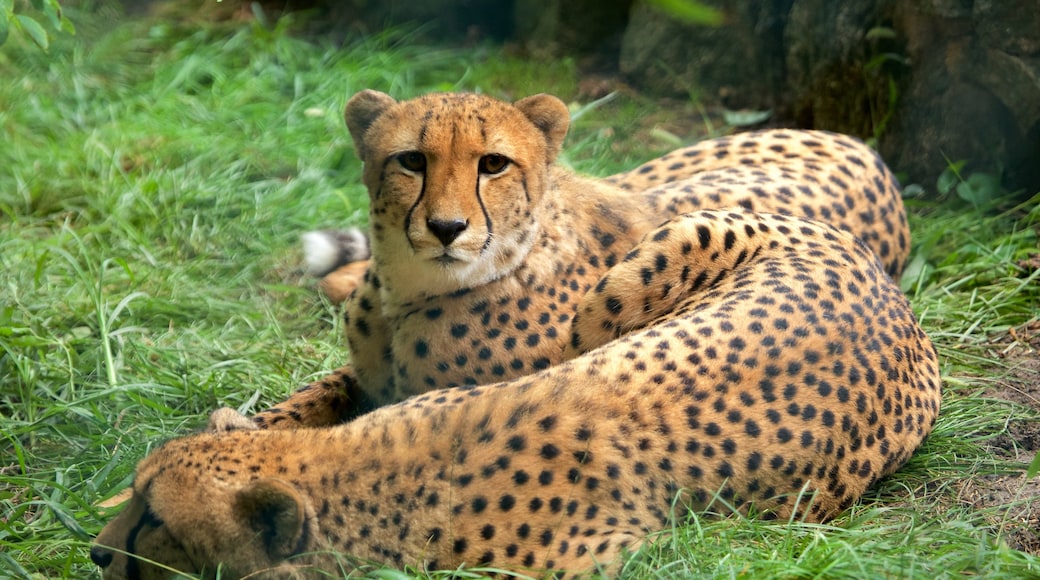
(332, 400)
(339, 396)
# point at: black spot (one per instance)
(573, 475)
(546, 537)
(516, 443)
(754, 461)
(506, 502)
(422, 350)
(704, 236)
(729, 240)
(555, 505)
(547, 423)
(660, 263)
(752, 428)
(807, 439)
(724, 469)
(459, 330)
(487, 532)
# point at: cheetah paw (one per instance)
(226, 419)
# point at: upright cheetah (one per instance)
(482, 248)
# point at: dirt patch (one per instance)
(1012, 501)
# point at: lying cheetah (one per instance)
(730, 360)
(482, 247)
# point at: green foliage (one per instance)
(877, 69)
(48, 11)
(1034, 467)
(155, 179)
(978, 189)
(690, 11)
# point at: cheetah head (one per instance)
(455, 182)
(177, 521)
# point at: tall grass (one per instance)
(154, 178)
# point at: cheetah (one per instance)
(482, 247)
(730, 361)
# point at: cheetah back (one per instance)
(819, 175)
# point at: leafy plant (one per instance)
(690, 11)
(48, 11)
(1034, 467)
(881, 101)
(979, 189)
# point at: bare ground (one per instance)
(1011, 501)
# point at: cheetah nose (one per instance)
(447, 230)
(100, 556)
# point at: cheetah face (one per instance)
(454, 183)
(129, 545)
(178, 523)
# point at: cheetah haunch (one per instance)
(760, 361)
(482, 248)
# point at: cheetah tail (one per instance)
(327, 250)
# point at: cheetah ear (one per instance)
(551, 116)
(361, 111)
(274, 511)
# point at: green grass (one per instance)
(154, 178)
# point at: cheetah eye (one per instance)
(412, 161)
(492, 164)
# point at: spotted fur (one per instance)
(482, 247)
(730, 359)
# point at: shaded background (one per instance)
(933, 84)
